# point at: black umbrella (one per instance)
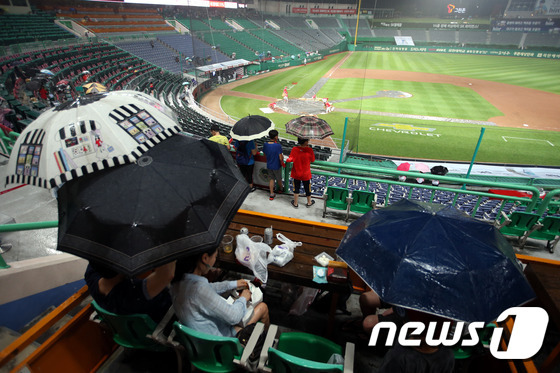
(439, 170)
(251, 127)
(309, 127)
(177, 200)
(435, 259)
(33, 85)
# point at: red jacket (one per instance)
(302, 158)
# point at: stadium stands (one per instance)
(135, 64)
(17, 29)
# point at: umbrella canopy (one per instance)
(309, 127)
(435, 259)
(251, 127)
(47, 71)
(177, 200)
(421, 167)
(405, 166)
(91, 133)
(33, 85)
(94, 88)
(439, 170)
(63, 82)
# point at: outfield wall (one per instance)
(454, 50)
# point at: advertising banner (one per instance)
(479, 51)
(526, 25)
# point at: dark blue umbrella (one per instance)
(435, 259)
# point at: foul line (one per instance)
(525, 138)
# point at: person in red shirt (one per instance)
(302, 156)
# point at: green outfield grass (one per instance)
(541, 74)
(431, 99)
(394, 136)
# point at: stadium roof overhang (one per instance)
(223, 65)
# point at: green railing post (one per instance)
(474, 156)
(3, 264)
(343, 140)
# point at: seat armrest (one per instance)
(95, 317)
(268, 342)
(251, 343)
(171, 340)
(349, 357)
(506, 221)
(157, 334)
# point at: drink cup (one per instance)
(227, 243)
(257, 239)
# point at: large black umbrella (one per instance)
(435, 259)
(177, 200)
(251, 127)
(309, 127)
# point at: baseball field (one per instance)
(420, 105)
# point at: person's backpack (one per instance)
(242, 155)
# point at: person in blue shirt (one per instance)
(199, 305)
(274, 162)
(245, 157)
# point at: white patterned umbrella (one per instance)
(93, 132)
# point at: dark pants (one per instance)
(247, 172)
(306, 186)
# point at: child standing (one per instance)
(302, 156)
(274, 162)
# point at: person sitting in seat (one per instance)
(370, 302)
(421, 358)
(199, 306)
(124, 295)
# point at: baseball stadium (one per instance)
(431, 192)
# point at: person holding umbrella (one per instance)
(421, 358)
(302, 156)
(245, 157)
(274, 162)
(124, 295)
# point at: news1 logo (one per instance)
(525, 341)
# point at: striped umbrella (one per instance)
(309, 127)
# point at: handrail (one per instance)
(9, 140)
(542, 208)
(449, 179)
(28, 226)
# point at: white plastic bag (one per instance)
(282, 254)
(253, 255)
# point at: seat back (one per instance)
(551, 224)
(550, 228)
(520, 223)
(130, 331)
(281, 362)
(362, 201)
(336, 198)
(208, 353)
(303, 352)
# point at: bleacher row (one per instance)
(484, 208)
(17, 29)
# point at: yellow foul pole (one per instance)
(357, 23)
